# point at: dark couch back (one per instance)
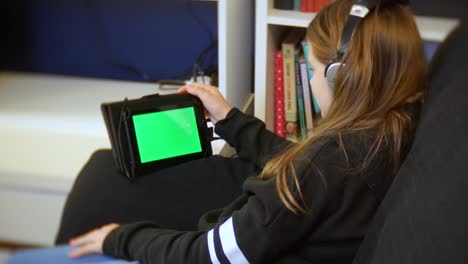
(424, 217)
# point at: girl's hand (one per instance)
(91, 242)
(214, 103)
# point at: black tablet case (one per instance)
(114, 114)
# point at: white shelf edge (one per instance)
(289, 18)
(434, 29)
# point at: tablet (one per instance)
(166, 134)
(155, 132)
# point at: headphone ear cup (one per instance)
(330, 73)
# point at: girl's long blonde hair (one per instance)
(384, 71)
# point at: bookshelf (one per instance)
(272, 23)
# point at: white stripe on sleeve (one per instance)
(211, 248)
(229, 243)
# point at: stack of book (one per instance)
(295, 105)
(309, 6)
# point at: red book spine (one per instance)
(315, 6)
(310, 6)
(318, 5)
(322, 4)
(304, 6)
(280, 119)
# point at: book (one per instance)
(280, 123)
(305, 48)
(313, 6)
(297, 5)
(307, 97)
(308, 6)
(288, 48)
(300, 99)
(284, 4)
(321, 4)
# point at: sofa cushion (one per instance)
(424, 216)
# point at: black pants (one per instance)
(174, 198)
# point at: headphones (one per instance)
(359, 11)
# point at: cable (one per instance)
(141, 74)
(100, 47)
(189, 5)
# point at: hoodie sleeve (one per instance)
(145, 242)
(249, 136)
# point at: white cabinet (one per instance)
(270, 25)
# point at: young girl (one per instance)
(312, 202)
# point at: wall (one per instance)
(106, 38)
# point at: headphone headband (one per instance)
(359, 10)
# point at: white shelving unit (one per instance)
(270, 25)
(235, 25)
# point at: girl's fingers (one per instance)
(83, 251)
(83, 239)
(211, 89)
(91, 242)
(109, 228)
(200, 92)
(183, 89)
(213, 101)
(197, 88)
(199, 85)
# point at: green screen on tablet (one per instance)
(166, 134)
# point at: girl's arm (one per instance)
(249, 136)
(246, 133)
